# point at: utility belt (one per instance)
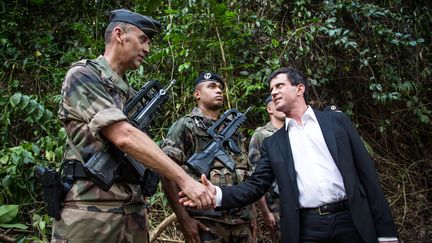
(242, 213)
(56, 184)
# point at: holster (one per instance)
(54, 190)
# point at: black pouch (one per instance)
(149, 183)
(53, 190)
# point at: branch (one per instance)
(225, 65)
(6, 239)
(161, 227)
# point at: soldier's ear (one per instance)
(269, 109)
(197, 94)
(118, 34)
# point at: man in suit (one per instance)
(328, 185)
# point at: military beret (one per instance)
(332, 108)
(268, 99)
(209, 76)
(145, 23)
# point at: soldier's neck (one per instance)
(211, 114)
(113, 60)
(276, 122)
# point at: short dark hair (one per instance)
(108, 31)
(295, 77)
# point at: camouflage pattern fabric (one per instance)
(225, 233)
(187, 136)
(83, 226)
(89, 103)
(254, 154)
(273, 204)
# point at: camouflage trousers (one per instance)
(273, 205)
(81, 226)
(226, 233)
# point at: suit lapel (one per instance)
(285, 148)
(328, 132)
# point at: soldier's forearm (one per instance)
(171, 191)
(262, 205)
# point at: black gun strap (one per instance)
(73, 169)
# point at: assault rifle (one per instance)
(103, 167)
(201, 162)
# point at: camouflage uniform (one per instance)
(189, 135)
(89, 103)
(254, 154)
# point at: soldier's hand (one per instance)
(191, 229)
(188, 202)
(270, 221)
(197, 195)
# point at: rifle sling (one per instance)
(74, 169)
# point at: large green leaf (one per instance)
(17, 226)
(8, 213)
(15, 100)
(24, 102)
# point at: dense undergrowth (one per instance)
(372, 58)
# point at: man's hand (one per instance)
(270, 221)
(191, 229)
(186, 201)
(197, 195)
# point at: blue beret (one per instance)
(209, 76)
(332, 108)
(268, 99)
(145, 23)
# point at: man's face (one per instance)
(135, 46)
(284, 95)
(209, 94)
(271, 109)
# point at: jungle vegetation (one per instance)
(372, 58)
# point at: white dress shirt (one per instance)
(318, 179)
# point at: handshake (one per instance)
(211, 190)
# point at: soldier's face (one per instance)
(271, 109)
(210, 95)
(135, 46)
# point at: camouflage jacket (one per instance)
(187, 136)
(256, 142)
(89, 103)
(254, 151)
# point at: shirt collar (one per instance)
(197, 113)
(109, 73)
(309, 115)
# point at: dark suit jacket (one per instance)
(368, 206)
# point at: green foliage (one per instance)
(373, 58)
(7, 215)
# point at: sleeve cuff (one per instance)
(385, 239)
(218, 196)
(104, 118)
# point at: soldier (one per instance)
(189, 135)
(268, 204)
(94, 93)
